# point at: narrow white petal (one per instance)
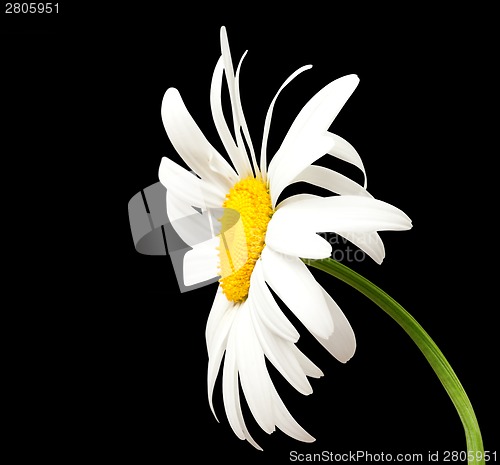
(267, 123)
(297, 288)
(267, 309)
(219, 308)
(242, 120)
(280, 353)
(344, 213)
(212, 371)
(233, 95)
(230, 389)
(238, 158)
(286, 423)
(331, 180)
(342, 343)
(343, 150)
(191, 144)
(254, 377)
(309, 368)
(293, 199)
(229, 71)
(202, 262)
(216, 342)
(289, 239)
(231, 394)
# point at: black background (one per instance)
(109, 358)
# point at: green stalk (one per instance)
(434, 356)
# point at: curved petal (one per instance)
(330, 180)
(232, 85)
(343, 213)
(286, 423)
(342, 343)
(242, 120)
(238, 158)
(191, 144)
(295, 198)
(297, 288)
(267, 122)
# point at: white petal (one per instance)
(280, 353)
(231, 394)
(331, 180)
(267, 309)
(342, 343)
(344, 213)
(286, 423)
(267, 123)
(239, 159)
(252, 370)
(290, 239)
(191, 144)
(201, 263)
(297, 288)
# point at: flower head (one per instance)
(258, 240)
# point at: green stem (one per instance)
(424, 342)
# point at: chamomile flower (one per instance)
(261, 239)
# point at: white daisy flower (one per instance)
(262, 240)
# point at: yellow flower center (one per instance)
(247, 211)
